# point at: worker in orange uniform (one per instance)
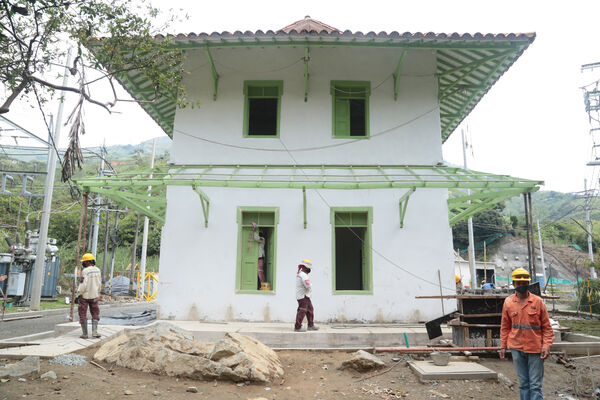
(527, 333)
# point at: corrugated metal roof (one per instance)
(468, 65)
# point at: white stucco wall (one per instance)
(308, 124)
(198, 264)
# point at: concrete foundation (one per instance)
(427, 371)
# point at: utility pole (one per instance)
(96, 218)
(40, 255)
(542, 254)
(588, 222)
(145, 234)
(106, 234)
(135, 242)
(472, 270)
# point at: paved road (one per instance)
(10, 329)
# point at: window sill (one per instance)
(246, 291)
(353, 292)
(350, 137)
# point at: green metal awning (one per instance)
(467, 65)
(469, 191)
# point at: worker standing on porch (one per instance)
(527, 333)
(303, 293)
(88, 294)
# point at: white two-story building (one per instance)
(331, 142)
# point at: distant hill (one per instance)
(115, 152)
(549, 206)
(124, 151)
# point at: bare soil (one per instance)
(308, 375)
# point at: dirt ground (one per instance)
(308, 375)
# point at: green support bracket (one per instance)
(213, 72)
(396, 74)
(205, 201)
(404, 203)
(306, 60)
(304, 204)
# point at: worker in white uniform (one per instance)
(88, 294)
(261, 252)
(303, 293)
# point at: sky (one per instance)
(531, 124)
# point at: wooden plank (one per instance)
(479, 315)
(459, 323)
(467, 338)
(6, 345)
(488, 339)
(22, 317)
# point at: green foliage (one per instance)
(589, 294)
(486, 224)
(35, 34)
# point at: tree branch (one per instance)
(6, 106)
(70, 89)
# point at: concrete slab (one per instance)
(275, 335)
(427, 370)
(54, 346)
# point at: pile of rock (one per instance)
(165, 349)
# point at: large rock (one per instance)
(363, 361)
(165, 349)
(25, 366)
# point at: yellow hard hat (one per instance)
(520, 275)
(88, 257)
(307, 263)
(457, 278)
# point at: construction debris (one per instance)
(69, 359)
(25, 366)
(49, 375)
(363, 361)
(165, 349)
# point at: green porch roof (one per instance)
(469, 191)
(467, 65)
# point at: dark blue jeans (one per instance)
(530, 370)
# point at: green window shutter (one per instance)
(249, 275)
(342, 117)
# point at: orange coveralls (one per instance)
(525, 327)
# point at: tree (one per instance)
(35, 36)
(486, 224)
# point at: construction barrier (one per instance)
(150, 286)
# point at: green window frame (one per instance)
(354, 217)
(265, 217)
(261, 90)
(349, 100)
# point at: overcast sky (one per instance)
(532, 123)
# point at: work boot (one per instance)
(84, 330)
(313, 328)
(95, 333)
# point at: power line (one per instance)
(309, 148)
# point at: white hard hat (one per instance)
(307, 263)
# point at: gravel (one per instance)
(69, 359)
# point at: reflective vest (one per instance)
(525, 326)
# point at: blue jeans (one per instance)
(530, 370)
